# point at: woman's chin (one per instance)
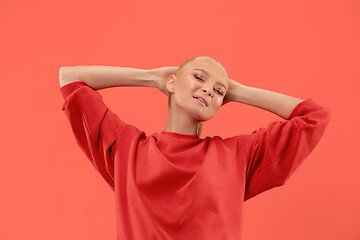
(202, 117)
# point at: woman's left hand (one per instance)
(230, 93)
(162, 75)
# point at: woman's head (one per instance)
(199, 77)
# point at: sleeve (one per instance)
(94, 125)
(275, 152)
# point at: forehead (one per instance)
(210, 68)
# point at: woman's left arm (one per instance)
(277, 103)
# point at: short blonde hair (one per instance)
(200, 129)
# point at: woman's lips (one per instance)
(202, 98)
(202, 103)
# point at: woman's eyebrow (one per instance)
(207, 73)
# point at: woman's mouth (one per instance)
(200, 101)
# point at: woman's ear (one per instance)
(170, 85)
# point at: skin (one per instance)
(186, 112)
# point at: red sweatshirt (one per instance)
(175, 186)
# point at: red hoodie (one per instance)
(174, 186)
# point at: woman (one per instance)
(175, 184)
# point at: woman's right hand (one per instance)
(162, 75)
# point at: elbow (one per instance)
(61, 72)
(67, 75)
(61, 76)
(324, 119)
(328, 115)
(64, 76)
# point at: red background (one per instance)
(306, 49)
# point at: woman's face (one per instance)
(201, 78)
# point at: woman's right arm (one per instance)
(99, 77)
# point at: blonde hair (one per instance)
(200, 127)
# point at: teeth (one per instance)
(201, 100)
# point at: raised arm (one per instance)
(277, 103)
(99, 77)
(273, 153)
(96, 128)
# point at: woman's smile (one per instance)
(200, 101)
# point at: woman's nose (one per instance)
(207, 91)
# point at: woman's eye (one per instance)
(219, 92)
(198, 77)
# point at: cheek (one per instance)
(218, 102)
(181, 98)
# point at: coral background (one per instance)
(306, 49)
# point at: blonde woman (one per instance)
(177, 184)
